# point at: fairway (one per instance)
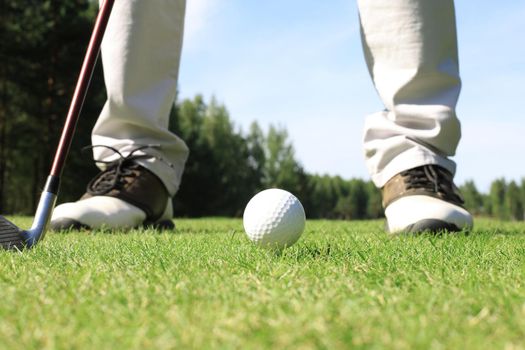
(344, 284)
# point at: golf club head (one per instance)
(14, 238)
(11, 236)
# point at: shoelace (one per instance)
(116, 171)
(432, 178)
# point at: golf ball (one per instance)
(274, 218)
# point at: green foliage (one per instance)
(337, 198)
(498, 190)
(282, 170)
(36, 84)
(513, 204)
(374, 204)
(324, 194)
(220, 174)
(473, 199)
(255, 141)
(505, 200)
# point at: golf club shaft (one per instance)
(81, 90)
(11, 236)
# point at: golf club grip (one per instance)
(81, 88)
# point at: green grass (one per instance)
(344, 284)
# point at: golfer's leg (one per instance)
(141, 53)
(411, 51)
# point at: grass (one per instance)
(344, 284)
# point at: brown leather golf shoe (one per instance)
(424, 199)
(124, 195)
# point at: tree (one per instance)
(326, 196)
(336, 198)
(498, 189)
(42, 47)
(322, 197)
(256, 144)
(281, 169)
(473, 199)
(220, 174)
(513, 202)
(358, 199)
(374, 208)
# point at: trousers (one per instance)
(410, 47)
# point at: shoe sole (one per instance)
(65, 224)
(433, 226)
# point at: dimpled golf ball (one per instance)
(274, 218)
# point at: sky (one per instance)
(298, 64)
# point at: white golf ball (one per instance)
(274, 218)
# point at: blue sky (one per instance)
(298, 64)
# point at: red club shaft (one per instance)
(81, 88)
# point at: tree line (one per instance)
(42, 44)
(227, 166)
(505, 199)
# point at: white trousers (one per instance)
(140, 54)
(410, 48)
(411, 51)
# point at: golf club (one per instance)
(13, 237)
